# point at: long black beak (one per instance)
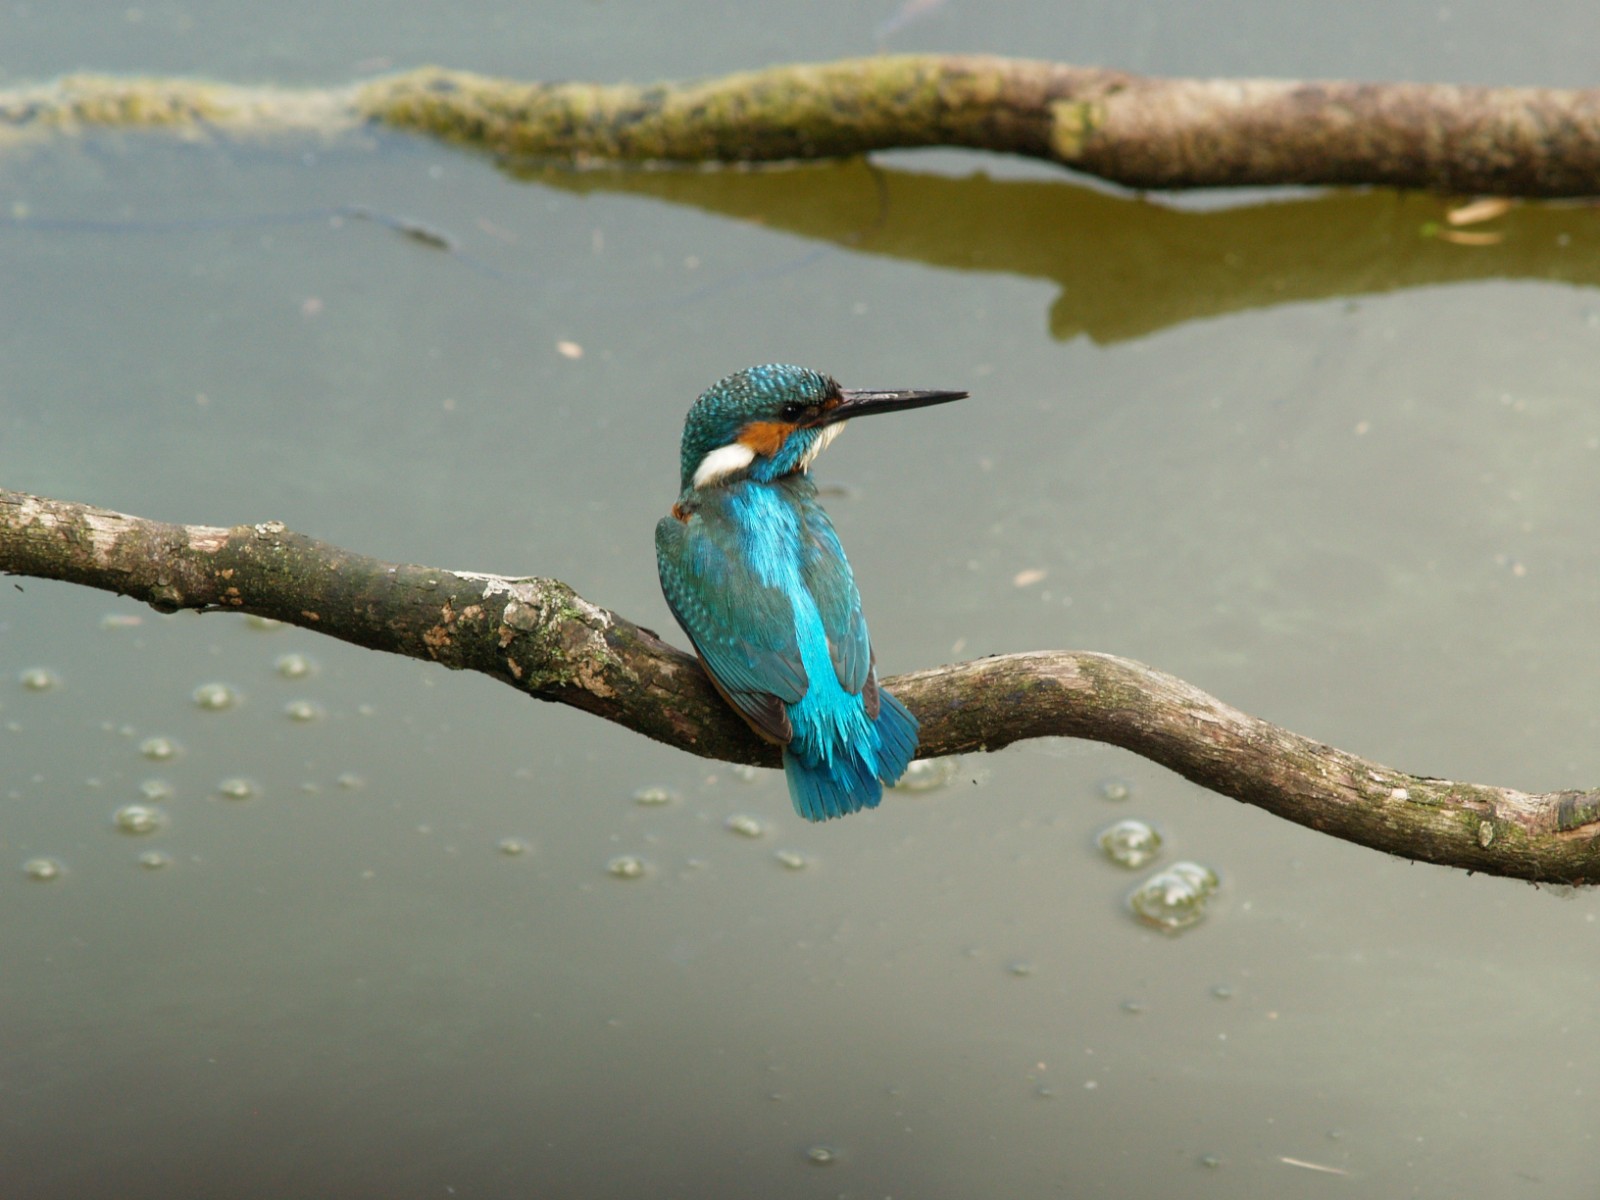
(863, 404)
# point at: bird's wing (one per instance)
(742, 630)
(826, 573)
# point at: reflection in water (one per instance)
(1127, 266)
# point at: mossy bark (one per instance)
(540, 637)
(1133, 130)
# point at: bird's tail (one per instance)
(852, 778)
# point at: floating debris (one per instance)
(304, 710)
(156, 789)
(1478, 211)
(652, 795)
(137, 820)
(154, 860)
(1174, 899)
(512, 847)
(1322, 1168)
(822, 1156)
(159, 749)
(238, 788)
(263, 624)
(1033, 575)
(42, 870)
(215, 697)
(295, 666)
(1130, 843)
(1114, 787)
(627, 866)
(744, 826)
(926, 774)
(792, 859)
(39, 679)
(121, 621)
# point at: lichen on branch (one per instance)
(540, 637)
(1139, 131)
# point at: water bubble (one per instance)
(1222, 992)
(154, 860)
(121, 621)
(1210, 1160)
(1175, 898)
(1114, 787)
(1130, 843)
(238, 788)
(350, 781)
(792, 859)
(744, 826)
(303, 710)
(263, 624)
(159, 749)
(39, 679)
(138, 819)
(42, 869)
(512, 847)
(627, 866)
(1020, 967)
(653, 794)
(745, 773)
(822, 1156)
(214, 697)
(296, 666)
(926, 774)
(156, 789)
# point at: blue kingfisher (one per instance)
(755, 574)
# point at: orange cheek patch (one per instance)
(765, 437)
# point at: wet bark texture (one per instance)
(540, 637)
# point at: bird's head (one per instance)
(766, 422)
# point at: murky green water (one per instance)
(398, 932)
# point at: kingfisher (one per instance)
(753, 570)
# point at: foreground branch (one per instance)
(541, 637)
(1132, 130)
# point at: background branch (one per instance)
(1132, 130)
(539, 636)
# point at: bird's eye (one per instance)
(791, 412)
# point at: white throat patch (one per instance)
(827, 434)
(722, 462)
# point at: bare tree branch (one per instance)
(542, 638)
(1128, 129)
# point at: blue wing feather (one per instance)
(827, 576)
(742, 630)
(756, 576)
